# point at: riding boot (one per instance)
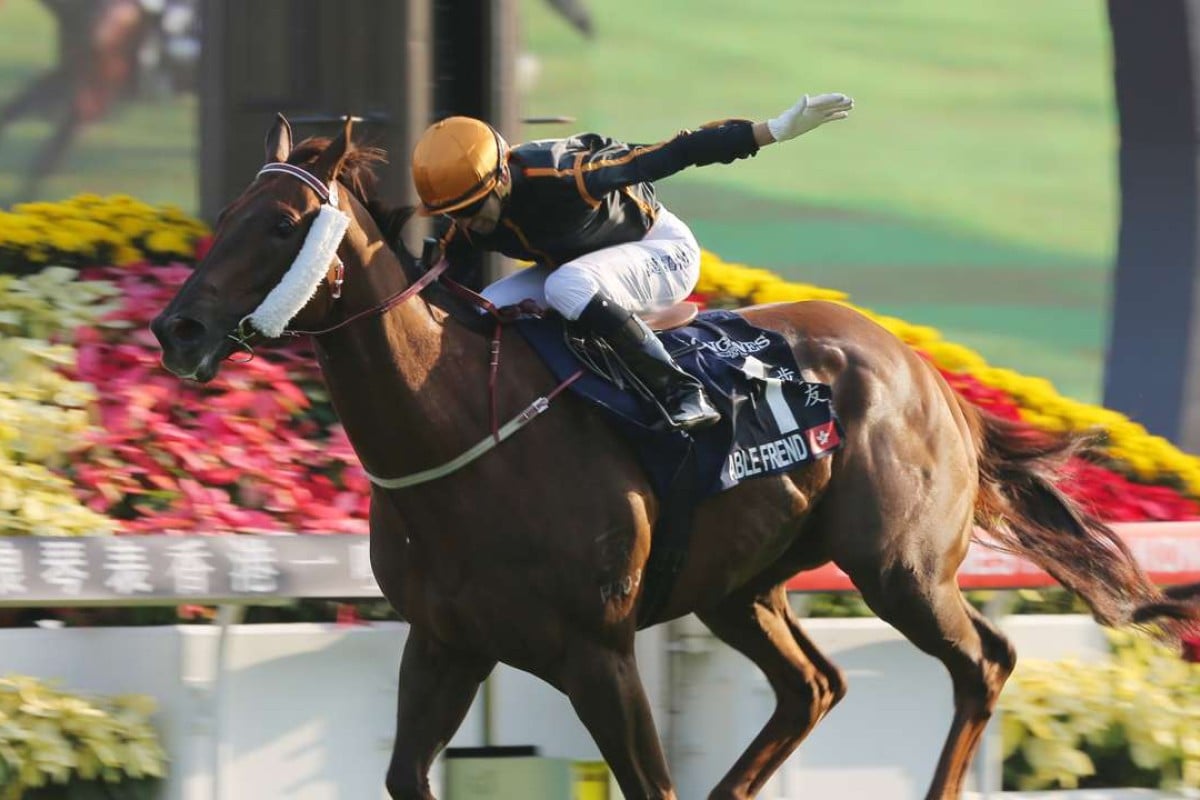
(680, 394)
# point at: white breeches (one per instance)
(653, 273)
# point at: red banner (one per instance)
(1168, 551)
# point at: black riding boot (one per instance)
(680, 395)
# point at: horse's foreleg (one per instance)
(606, 690)
(437, 685)
(806, 684)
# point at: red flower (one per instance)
(347, 615)
(248, 452)
(254, 452)
(1101, 490)
(1191, 648)
(203, 245)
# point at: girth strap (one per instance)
(670, 541)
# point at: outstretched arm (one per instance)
(617, 164)
(806, 114)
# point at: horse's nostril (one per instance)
(185, 330)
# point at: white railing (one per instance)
(306, 710)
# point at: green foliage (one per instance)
(847, 604)
(1031, 601)
(54, 744)
(1024, 601)
(1133, 720)
(128, 789)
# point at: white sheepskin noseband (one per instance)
(319, 250)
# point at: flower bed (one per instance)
(1131, 721)
(97, 438)
(87, 229)
(54, 744)
(259, 450)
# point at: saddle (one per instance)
(676, 316)
(772, 419)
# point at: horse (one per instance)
(534, 554)
(97, 65)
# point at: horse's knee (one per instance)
(828, 689)
(977, 684)
(806, 701)
(1000, 651)
(835, 686)
(997, 670)
(1000, 657)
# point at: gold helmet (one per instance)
(456, 162)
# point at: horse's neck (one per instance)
(409, 385)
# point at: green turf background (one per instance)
(973, 189)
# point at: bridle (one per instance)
(330, 212)
(311, 267)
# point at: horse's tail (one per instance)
(1023, 510)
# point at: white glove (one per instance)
(808, 113)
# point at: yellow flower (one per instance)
(168, 241)
(49, 735)
(88, 227)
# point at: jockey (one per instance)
(584, 210)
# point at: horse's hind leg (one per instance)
(437, 685)
(763, 628)
(51, 85)
(606, 690)
(52, 153)
(919, 596)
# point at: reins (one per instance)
(503, 316)
(387, 305)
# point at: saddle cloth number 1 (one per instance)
(784, 419)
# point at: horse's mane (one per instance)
(358, 170)
(358, 175)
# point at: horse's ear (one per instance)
(329, 165)
(279, 140)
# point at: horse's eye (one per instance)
(285, 226)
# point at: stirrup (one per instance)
(708, 417)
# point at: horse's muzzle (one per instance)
(190, 348)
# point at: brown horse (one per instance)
(513, 558)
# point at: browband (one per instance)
(323, 191)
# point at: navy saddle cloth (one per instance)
(771, 420)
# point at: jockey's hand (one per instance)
(808, 113)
